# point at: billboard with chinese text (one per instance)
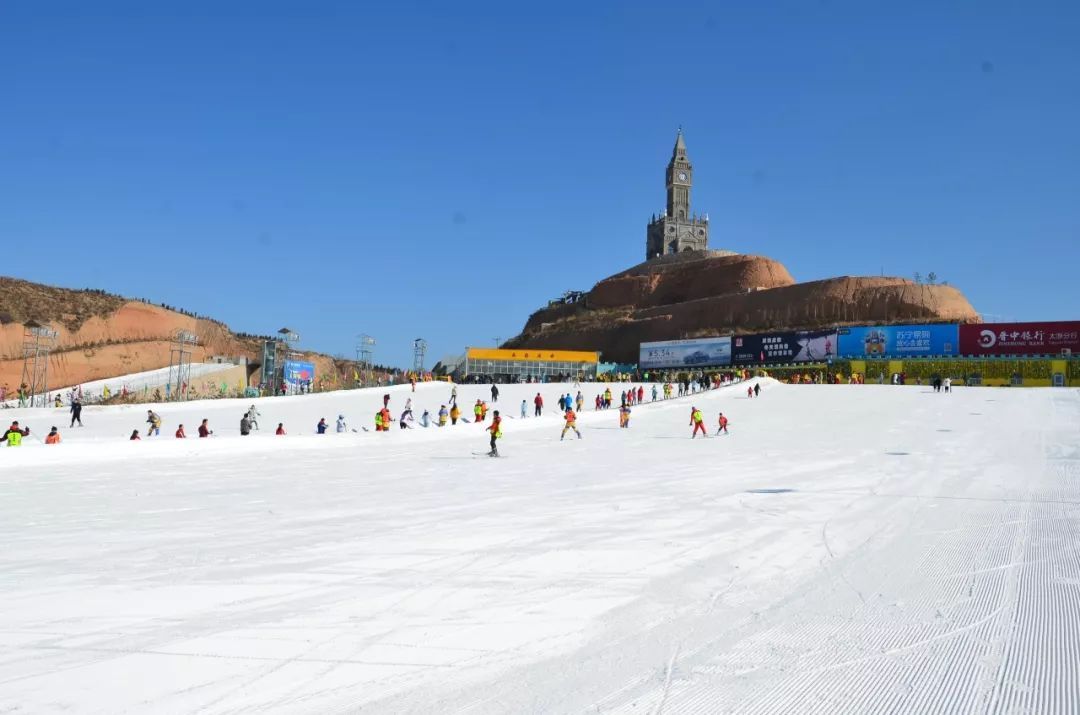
(299, 373)
(698, 352)
(800, 346)
(898, 341)
(1020, 338)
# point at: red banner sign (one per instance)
(1020, 338)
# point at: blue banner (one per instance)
(898, 341)
(299, 373)
(701, 352)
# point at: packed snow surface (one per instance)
(845, 549)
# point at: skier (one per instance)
(387, 419)
(280, 429)
(154, 420)
(496, 432)
(654, 393)
(253, 417)
(524, 409)
(14, 434)
(624, 416)
(53, 437)
(453, 395)
(340, 426)
(477, 410)
(443, 415)
(948, 384)
(204, 429)
(180, 432)
(539, 402)
(134, 436)
(57, 402)
(402, 423)
(494, 394)
(641, 394)
(425, 419)
(321, 427)
(723, 424)
(76, 412)
(245, 426)
(455, 414)
(571, 424)
(757, 389)
(579, 401)
(697, 420)
(750, 392)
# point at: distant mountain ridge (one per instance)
(101, 335)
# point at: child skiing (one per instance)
(154, 420)
(496, 432)
(524, 409)
(571, 424)
(723, 424)
(624, 417)
(443, 414)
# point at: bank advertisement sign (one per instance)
(699, 352)
(800, 346)
(898, 341)
(1020, 338)
(299, 373)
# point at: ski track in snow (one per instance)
(926, 559)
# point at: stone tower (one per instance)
(677, 230)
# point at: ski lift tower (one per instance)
(286, 349)
(365, 350)
(38, 340)
(419, 350)
(180, 351)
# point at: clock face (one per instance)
(682, 176)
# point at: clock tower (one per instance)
(677, 230)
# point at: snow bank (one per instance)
(844, 549)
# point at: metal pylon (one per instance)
(183, 344)
(38, 341)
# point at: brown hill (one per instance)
(704, 294)
(100, 335)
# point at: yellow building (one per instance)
(514, 364)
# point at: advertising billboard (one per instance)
(898, 341)
(1020, 338)
(801, 346)
(298, 373)
(698, 352)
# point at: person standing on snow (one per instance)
(654, 393)
(443, 414)
(697, 420)
(76, 412)
(280, 429)
(453, 395)
(948, 384)
(571, 424)
(750, 392)
(253, 417)
(154, 420)
(641, 394)
(524, 409)
(245, 426)
(757, 389)
(539, 402)
(624, 417)
(425, 419)
(494, 394)
(455, 414)
(496, 432)
(723, 424)
(321, 427)
(340, 426)
(204, 429)
(579, 401)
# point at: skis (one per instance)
(486, 454)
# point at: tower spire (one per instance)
(680, 144)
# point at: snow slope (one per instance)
(846, 549)
(134, 381)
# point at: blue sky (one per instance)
(442, 169)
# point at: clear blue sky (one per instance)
(442, 169)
